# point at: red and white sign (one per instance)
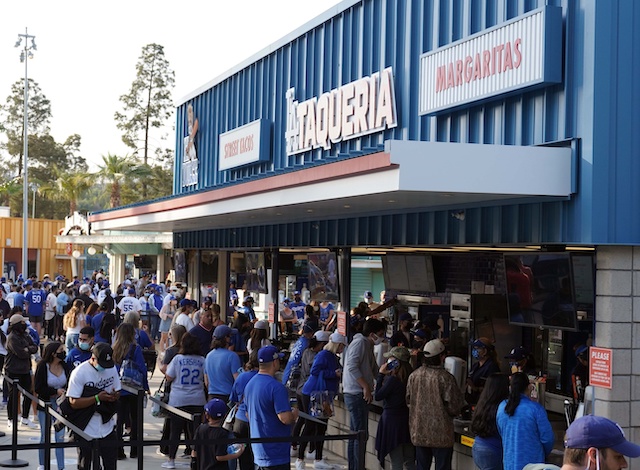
(243, 145)
(342, 323)
(600, 367)
(272, 312)
(69, 249)
(502, 59)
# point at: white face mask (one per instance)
(378, 340)
(597, 461)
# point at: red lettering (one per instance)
(468, 69)
(441, 79)
(458, 72)
(499, 50)
(517, 53)
(486, 69)
(508, 59)
(450, 77)
(477, 68)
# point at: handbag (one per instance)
(321, 399)
(230, 419)
(161, 394)
(130, 372)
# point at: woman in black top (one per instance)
(393, 436)
(50, 382)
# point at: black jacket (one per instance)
(20, 347)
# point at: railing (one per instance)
(137, 441)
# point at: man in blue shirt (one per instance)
(204, 331)
(269, 412)
(297, 306)
(34, 306)
(82, 351)
(221, 365)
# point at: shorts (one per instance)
(35, 319)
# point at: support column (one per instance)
(116, 269)
(160, 267)
(617, 316)
(223, 283)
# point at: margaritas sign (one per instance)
(358, 108)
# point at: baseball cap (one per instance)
(16, 318)
(405, 317)
(261, 325)
(483, 342)
(268, 354)
(602, 433)
(207, 300)
(45, 276)
(28, 282)
(216, 408)
(185, 302)
(368, 294)
(435, 347)
(322, 336)
(286, 300)
(71, 284)
(172, 297)
(296, 292)
(248, 298)
(338, 338)
(518, 354)
(421, 334)
(399, 352)
(582, 349)
(132, 291)
(3, 279)
(104, 354)
(222, 331)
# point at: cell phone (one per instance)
(393, 364)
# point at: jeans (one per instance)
(403, 457)
(71, 340)
(59, 437)
(358, 416)
(486, 457)
(443, 456)
(154, 327)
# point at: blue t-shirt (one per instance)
(204, 337)
(298, 309)
(96, 323)
(18, 301)
(142, 338)
(265, 398)
(237, 394)
(35, 299)
(324, 312)
(219, 367)
(324, 364)
(77, 356)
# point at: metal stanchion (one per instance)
(362, 448)
(14, 462)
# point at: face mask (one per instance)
(99, 368)
(378, 340)
(514, 367)
(60, 356)
(475, 353)
(84, 346)
(597, 461)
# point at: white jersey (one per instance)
(50, 306)
(10, 298)
(184, 320)
(129, 304)
(108, 380)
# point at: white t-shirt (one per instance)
(86, 374)
(129, 304)
(50, 306)
(187, 386)
(263, 343)
(184, 320)
(10, 298)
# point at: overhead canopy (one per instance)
(408, 175)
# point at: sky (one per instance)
(87, 52)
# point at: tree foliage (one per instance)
(148, 104)
(125, 178)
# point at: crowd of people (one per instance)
(87, 341)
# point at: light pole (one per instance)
(25, 55)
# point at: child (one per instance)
(213, 457)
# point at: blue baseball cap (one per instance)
(421, 334)
(268, 354)
(222, 331)
(581, 349)
(368, 294)
(185, 302)
(28, 282)
(216, 408)
(602, 433)
(132, 291)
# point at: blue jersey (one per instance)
(298, 309)
(76, 357)
(35, 300)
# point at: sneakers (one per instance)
(294, 451)
(159, 451)
(310, 455)
(323, 464)
(300, 464)
(9, 424)
(29, 423)
(168, 464)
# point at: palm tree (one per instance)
(118, 169)
(11, 192)
(67, 187)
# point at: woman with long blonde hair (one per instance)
(72, 322)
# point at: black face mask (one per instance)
(19, 328)
(61, 356)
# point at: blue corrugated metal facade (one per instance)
(594, 109)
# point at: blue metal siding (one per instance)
(597, 103)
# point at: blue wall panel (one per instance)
(597, 103)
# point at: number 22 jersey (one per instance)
(187, 387)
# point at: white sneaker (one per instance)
(40, 467)
(310, 455)
(324, 465)
(29, 423)
(9, 424)
(300, 464)
(168, 464)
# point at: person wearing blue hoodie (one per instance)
(527, 436)
(296, 352)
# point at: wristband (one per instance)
(97, 399)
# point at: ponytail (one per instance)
(519, 384)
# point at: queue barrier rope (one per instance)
(139, 442)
